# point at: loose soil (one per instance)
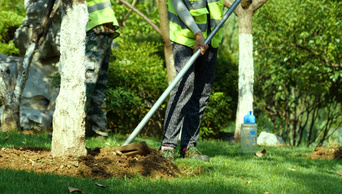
(104, 163)
(101, 163)
(330, 153)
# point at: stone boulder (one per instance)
(269, 139)
(41, 89)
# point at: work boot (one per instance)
(192, 152)
(168, 154)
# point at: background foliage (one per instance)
(298, 67)
(136, 79)
(14, 12)
(7, 30)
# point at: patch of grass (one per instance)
(10, 139)
(282, 170)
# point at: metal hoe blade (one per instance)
(140, 148)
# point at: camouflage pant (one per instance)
(98, 50)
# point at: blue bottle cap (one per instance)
(249, 118)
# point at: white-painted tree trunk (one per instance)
(68, 136)
(246, 80)
(245, 14)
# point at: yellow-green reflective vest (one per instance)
(181, 34)
(100, 12)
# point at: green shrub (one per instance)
(9, 49)
(8, 27)
(217, 115)
(137, 78)
(16, 6)
(140, 67)
(124, 108)
(221, 109)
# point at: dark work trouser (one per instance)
(189, 97)
(98, 50)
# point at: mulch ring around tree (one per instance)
(100, 163)
(330, 153)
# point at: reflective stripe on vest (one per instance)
(99, 6)
(181, 34)
(100, 12)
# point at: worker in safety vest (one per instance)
(101, 30)
(190, 22)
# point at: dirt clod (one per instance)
(330, 153)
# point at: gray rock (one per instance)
(34, 119)
(41, 89)
(269, 139)
(49, 50)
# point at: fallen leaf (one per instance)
(6, 138)
(71, 189)
(339, 173)
(97, 184)
(261, 154)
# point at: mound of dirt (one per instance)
(329, 153)
(101, 163)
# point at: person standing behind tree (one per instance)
(101, 30)
(190, 22)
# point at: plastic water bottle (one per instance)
(249, 134)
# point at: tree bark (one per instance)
(10, 117)
(11, 97)
(245, 12)
(68, 136)
(164, 26)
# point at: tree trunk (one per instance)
(246, 70)
(245, 12)
(11, 94)
(68, 136)
(311, 128)
(170, 63)
(10, 116)
(164, 27)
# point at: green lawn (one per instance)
(282, 170)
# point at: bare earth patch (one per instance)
(103, 163)
(100, 163)
(329, 153)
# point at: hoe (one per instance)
(140, 147)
